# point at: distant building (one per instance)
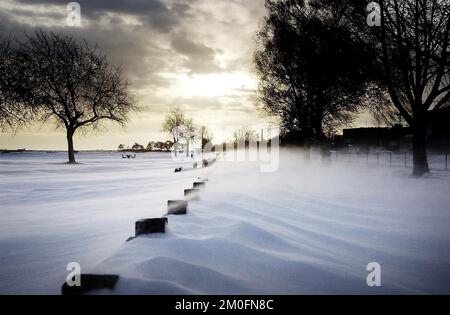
(399, 137)
(439, 138)
(393, 138)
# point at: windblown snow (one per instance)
(308, 228)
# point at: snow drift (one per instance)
(307, 228)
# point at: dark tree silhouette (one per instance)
(13, 113)
(415, 57)
(71, 83)
(310, 68)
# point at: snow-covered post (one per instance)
(149, 226)
(406, 159)
(177, 207)
(199, 185)
(192, 194)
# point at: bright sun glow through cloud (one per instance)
(212, 85)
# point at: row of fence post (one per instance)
(90, 282)
(405, 162)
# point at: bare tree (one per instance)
(189, 133)
(71, 83)
(308, 65)
(244, 135)
(415, 55)
(13, 113)
(172, 124)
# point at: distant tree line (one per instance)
(151, 146)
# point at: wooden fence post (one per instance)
(177, 207)
(192, 194)
(149, 226)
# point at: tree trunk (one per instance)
(175, 146)
(70, 146)
(420, 151)
(307, 148)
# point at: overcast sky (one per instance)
(192, 54)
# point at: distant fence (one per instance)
(436, 161)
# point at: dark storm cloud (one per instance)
(187, 47)
(153, 41)
(139, 56)
(138, 42)
(108, 24)
(198, 58)
(163, 46)
(119, 6)
(154, 13)
(136, 48)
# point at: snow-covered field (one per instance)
(52, 213)
(307, 228)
